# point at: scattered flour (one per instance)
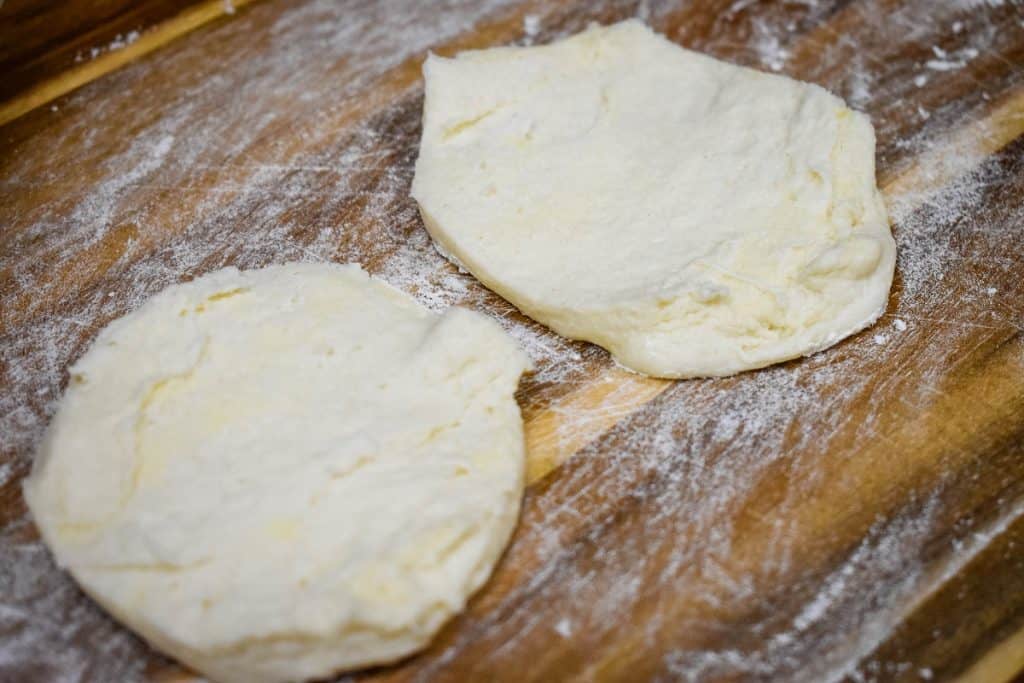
(118, 43)
(6, 472)
(531, 25)
(171, 147)
(981, 4)
(945, 61)
(689, 458)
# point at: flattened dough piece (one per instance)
(282, 473)
(692, 217)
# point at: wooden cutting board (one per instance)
(856, 515)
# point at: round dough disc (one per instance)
(282, 473)
(692, 217)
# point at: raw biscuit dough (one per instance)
(282, 473)
(692, 217)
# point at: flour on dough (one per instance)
(282, 473)
(692, 217)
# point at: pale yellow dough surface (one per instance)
(282, 473)
(693, 217)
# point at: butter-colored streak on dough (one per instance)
(277, 474)
(692, 217)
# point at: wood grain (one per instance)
(54, 48)
(856, 514)
(34, 32)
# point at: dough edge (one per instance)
(279, 657)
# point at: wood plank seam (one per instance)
(150, 40)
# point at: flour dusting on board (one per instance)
(692, 454)
(50, 629)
